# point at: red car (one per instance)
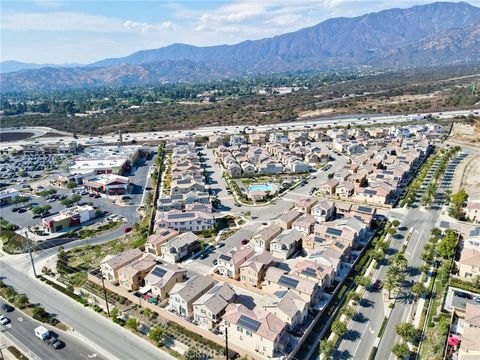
(377, 284)
(127, 229)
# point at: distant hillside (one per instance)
(438, 33)
(12, 66)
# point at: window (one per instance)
(239, 329)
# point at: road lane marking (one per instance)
(361, 337)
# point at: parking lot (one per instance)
(24, 168)
(22, 215)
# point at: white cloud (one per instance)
(49, 4)
(59, 21)
(144, 27)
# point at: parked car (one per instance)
(220, 245)
(127, 229)
(244, 242)
(7, 308)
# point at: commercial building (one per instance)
(69, 217)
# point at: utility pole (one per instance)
(30, 254)
(105, 293)
(226, 342)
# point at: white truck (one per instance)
(42, 332)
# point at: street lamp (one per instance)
(105, 293)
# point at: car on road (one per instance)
(244, 242)
(377, 284)
(127, 229)
(7, 308)
(58, 344)
(4, 320)
(220, 245)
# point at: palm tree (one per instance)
(390, 284)
(400, 261)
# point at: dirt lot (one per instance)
(471, 178)
(469, 133)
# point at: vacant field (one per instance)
(468, 133)
(6, 136)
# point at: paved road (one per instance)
(114, 341)
(208, 131)
(20, 331)
(422, 222)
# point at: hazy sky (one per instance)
(80, 31)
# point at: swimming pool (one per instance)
(260, 187)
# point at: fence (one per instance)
(171, 317)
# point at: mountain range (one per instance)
(424, 35)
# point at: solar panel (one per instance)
(158, 271)
(288, 282)
(225, 257)
(444, 224)
(370, 192)
(248, 323)
(280, 294)
(334, 232)
(180, 216)
(309, 272)
(475, 232)
(364, 209)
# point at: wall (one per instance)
(171, 317)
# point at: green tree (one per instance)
(400, 261)
(132, 323)
(9, 293)
(157, 335)
(76, 198)
(419, 289)
(362, 281)
(40, 314)
(392, 231)
(407, 332)
(326, 348)
(339, 328)
(62, 261)
(71, 184)
(348, 311)
(401, 350)
(457, 202)
(395, 223)
(42, 209)
(147, 313)
(446, 247)
(21, 301)
(114, 313)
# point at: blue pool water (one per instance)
(260, 187)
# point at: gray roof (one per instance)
(192, 288)
(288, 302)
(217, 298)
(183, 239)
(161, 274)
(288, 237)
